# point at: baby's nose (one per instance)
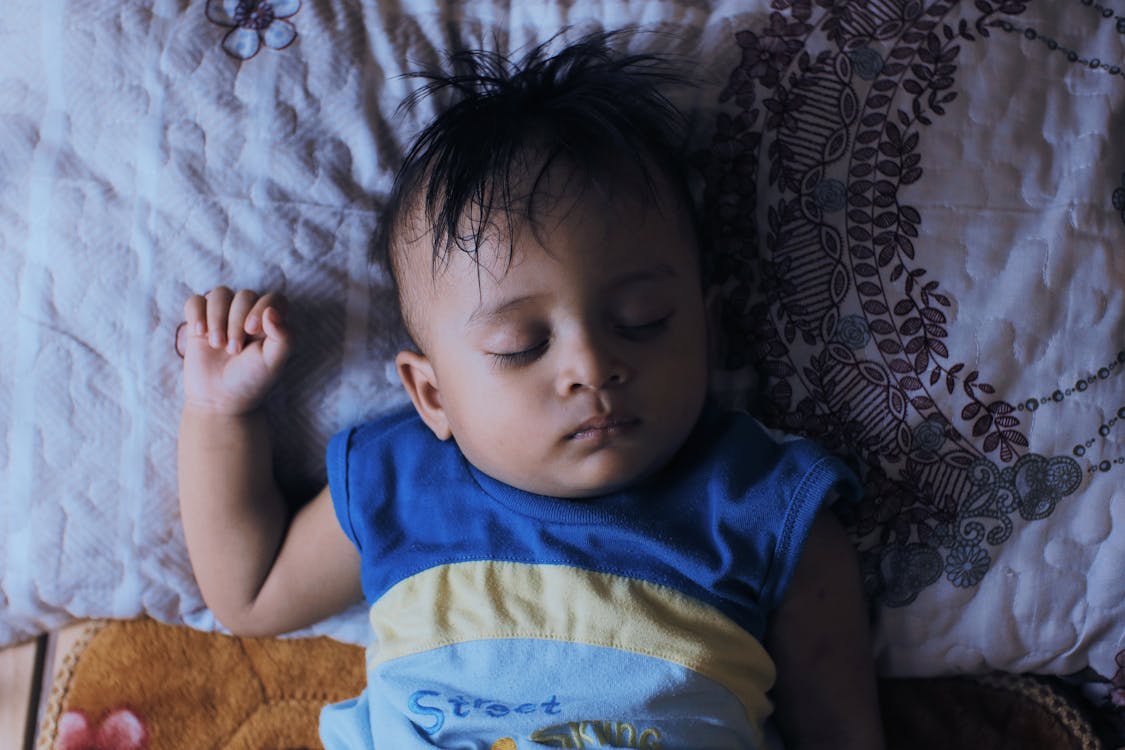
(591, 364)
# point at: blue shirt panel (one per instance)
(724, 522)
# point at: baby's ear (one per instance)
(417, 376)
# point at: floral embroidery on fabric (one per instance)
(828, 297)
(118, 730)
(254, 23)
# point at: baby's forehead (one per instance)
(494, 231)
(595, 239)
(525, 209)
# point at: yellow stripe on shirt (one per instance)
(485, 600)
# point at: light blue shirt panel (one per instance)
(571, 699)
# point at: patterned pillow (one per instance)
(919, 209)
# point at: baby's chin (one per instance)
(578, 487)
(581, 475)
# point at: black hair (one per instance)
(598, 111)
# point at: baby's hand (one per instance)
(234, 346)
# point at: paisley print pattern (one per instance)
(828, 297)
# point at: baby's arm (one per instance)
(260, 571)
(819, 639)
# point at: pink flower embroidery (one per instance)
(118, 730)
(253, 23)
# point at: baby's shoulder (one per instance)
(743, 450)
(400, 427)
(401, 422)
(385, 438)
(735, 434)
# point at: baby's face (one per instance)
(581, 367)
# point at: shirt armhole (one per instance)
(336, 464)
(817, 490)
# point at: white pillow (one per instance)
(922, 210)
(978, 389)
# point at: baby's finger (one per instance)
(240, 307)
(218, 308)
(276, 345)
(270, 299)
(195, 315)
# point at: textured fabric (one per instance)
(631, 620)
(919, 208)
(139, 685)
(267, 693)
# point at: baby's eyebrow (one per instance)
(655, 273)
(483, 315)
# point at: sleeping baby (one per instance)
(562, 540)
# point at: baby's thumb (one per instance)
(275, 347)
(180, 344)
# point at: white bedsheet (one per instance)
(139, 163)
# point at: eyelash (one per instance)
(516, 359)
(633, 333)
(644, 330)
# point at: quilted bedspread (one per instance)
(919, 215)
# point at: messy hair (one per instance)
(481, 164)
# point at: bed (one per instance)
(918, 210)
